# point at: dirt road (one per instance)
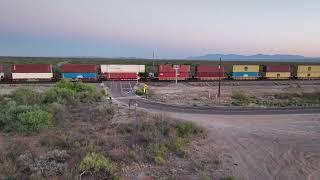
(266, 147)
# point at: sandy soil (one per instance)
(268, 146)
(204, 93)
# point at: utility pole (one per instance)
(153, 61)
(219, 89)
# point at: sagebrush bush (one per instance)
(158, 152)
(186, 129)
(34, 121)
(59, 141)
(27, 110)
(85, 92)
(180, 146)
(26, 96)
(139, 92)
(228, 178)
(96, 162)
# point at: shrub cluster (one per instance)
(160, 138)
(240, 98)
(139, 91)
(26, 110)
(95, 163)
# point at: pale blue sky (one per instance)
(175, 28)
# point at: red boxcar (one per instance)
(79, 68)
(170, 68)
(168, 72)
(120, 76)
(31, 68)
(209, 72)
(278, 68)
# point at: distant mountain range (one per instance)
(250, 57)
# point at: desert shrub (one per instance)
(228, 178)
(7, 168)
(34, 121)
(9, 115)
(158, 152)
(186, 129)
(59, 95)
(239, 98)
(26, 96)
(204, 176)
(180, 146)
(30, 111)
(59, 142)
(103, 113)
(139, 92)
(293, 99)
(53, 163)
(85, 92)
(95, 163)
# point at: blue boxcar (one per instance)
(79, 75)
(245, 74)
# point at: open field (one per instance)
(204, 93)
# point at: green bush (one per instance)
(26, 96)
(186, 129)
(96, 162)
(84, 92)
(239, 98)
(139, 92)
(158, 152)
(59, 95)
(9, 114)
(34, 121)
(63, 142)
(228, 178)
(180, 146)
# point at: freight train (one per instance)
(164, 72)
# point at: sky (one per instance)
(171, 28)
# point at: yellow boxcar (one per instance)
(278, 75)
(309, 68)
(308, 72)
(308, 75)
(246, 68)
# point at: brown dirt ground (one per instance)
(204, 93)
(266, 147)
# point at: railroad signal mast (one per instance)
(219, 88)
(176, 68)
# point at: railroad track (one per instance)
(123, 98)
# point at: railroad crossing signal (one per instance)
(145, 90)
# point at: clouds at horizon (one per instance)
(176, 29)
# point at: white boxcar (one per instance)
(122, 68)
(32, 75)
